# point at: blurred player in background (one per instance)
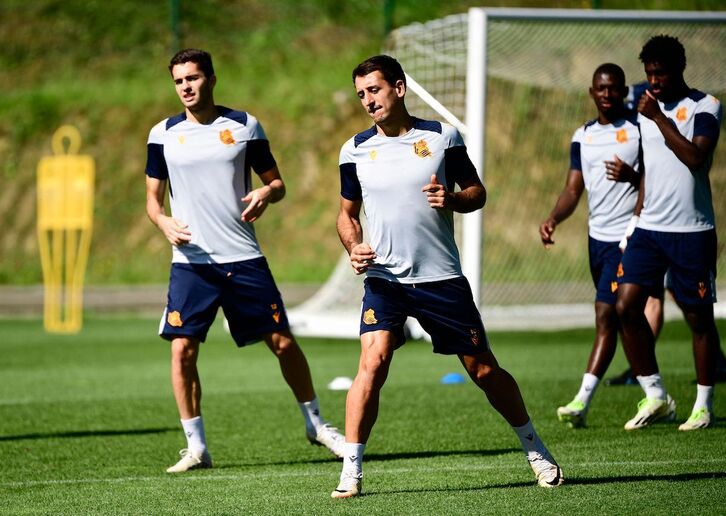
(205, 154)
(676, 231)
(403, 171)
(604, 160)
(654, 310)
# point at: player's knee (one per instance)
(375, 364)
(282, 344)
(184, 352)
(624, 309)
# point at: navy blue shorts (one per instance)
(689, 258)
(604, 260)
(445, 309)
(245, 290)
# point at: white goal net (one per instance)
(535, 66)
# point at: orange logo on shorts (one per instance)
(620, 272)
(276, 317)
(369, 316)
(613, 286)
(174, 319)
(621, 136)
(474, 336)
(226, 137)
(702, 289)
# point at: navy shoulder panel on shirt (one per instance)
(589, 123)
(172, 121)
(237, 116)
(631, 116)
(695, 95)
(364, 136)
(427, 125)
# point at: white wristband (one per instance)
(628, 232)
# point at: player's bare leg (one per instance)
(705, 354)
(293, 364)
(361, 408)
(188, 395)
(296, 372)
(639, 347)
(574, 414)
(654, 314)
(503, 393)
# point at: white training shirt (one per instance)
(611, 203)
(676, 198)
(208, 169)
(414, 243)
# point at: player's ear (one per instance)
(590, 90)
(400, 88)
(213, 81)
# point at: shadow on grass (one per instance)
(372, 457)
(682, 477)
(86, 433)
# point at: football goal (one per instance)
(514, 82)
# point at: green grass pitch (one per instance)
(88, 425)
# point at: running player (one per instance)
(402, 171)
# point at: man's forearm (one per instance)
(467, 200)
(350, 232)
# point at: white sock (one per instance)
(311, 412)
(587, 388)
(704, 398)
(531, 443)
(353, 459)
(194, 430)
(652, 385)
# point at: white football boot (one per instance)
(329, 437)
(548, 473)
(350, 485)
(191, 460)
(699, 419)
(651, 410)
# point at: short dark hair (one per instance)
(200, 57)
(666, 50)
(388, 66)
(610, 69)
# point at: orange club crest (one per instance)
(421, 148)
(620, 272)
(226, 137)
(621, 136)
(681, 114)
(369, 316)
(174, 319)
(613, 286)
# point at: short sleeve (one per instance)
(575, 154)
(155, 160)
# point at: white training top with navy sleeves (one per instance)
(611, 203)
(678, 199)
(208, 169)
(414, 243)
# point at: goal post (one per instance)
(514, 82)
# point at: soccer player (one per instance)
(403, 171)
(604, 159)
(676, 231)
(205, 154)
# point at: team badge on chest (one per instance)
(421, 148)
(621, 136)
(226, 137)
